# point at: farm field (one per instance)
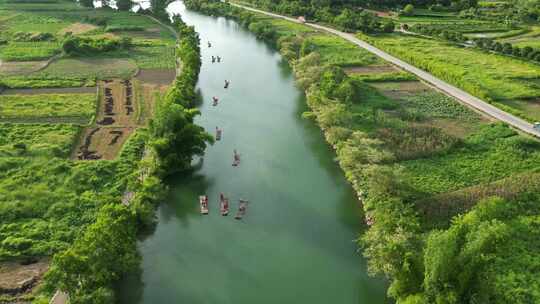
(48, 108)
(37, 139)
(508, 83)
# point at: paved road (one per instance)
(449, 89)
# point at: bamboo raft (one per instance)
(236, 159)
(203, 202)
(242, 206)
(224, 206)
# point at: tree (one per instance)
(507, 48)
(175, 138)
(516, 51)
(408, 10)
(346, 20)
(98, 258)
(526, 51)
(497, 47)
(124, 5)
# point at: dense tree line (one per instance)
(488, 44)
(336, 4)
(507, 48)
(175, 136)
(340, 14)
(429, 30)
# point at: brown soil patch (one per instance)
(16, 279)
(102, 142)
(81, 90)
(124, 105)
(78, 28)
(157, 76)
(397, 89)
(13, 68)
(373, 69)
(117, 103)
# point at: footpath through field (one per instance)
(449, 89)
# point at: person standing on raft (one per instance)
(226, 84)
(218, 133)
(236, 158)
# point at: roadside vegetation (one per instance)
(507, 83)
(439, 183)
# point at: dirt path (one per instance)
(445, 87)
(59, 298)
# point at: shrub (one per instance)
(408, 10)
(86, 45)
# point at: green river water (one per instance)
(296, 243)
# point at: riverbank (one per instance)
(405, 149)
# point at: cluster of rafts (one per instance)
(223, 206)
(223, 201)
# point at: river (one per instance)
(296, 243)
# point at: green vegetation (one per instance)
(492, 77)
(399, 148)
(86, 45)
(91, 68)
(37, 139)
(50, 105)
(338, 51)
(340, 14)
(175, 137)
(26, 51)
(51, 206)
(17, 82)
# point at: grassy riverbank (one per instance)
(86, 214)
(439, 182)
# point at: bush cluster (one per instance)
(445, 34)
(73, 45)
(507, 48)
(33, 36)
